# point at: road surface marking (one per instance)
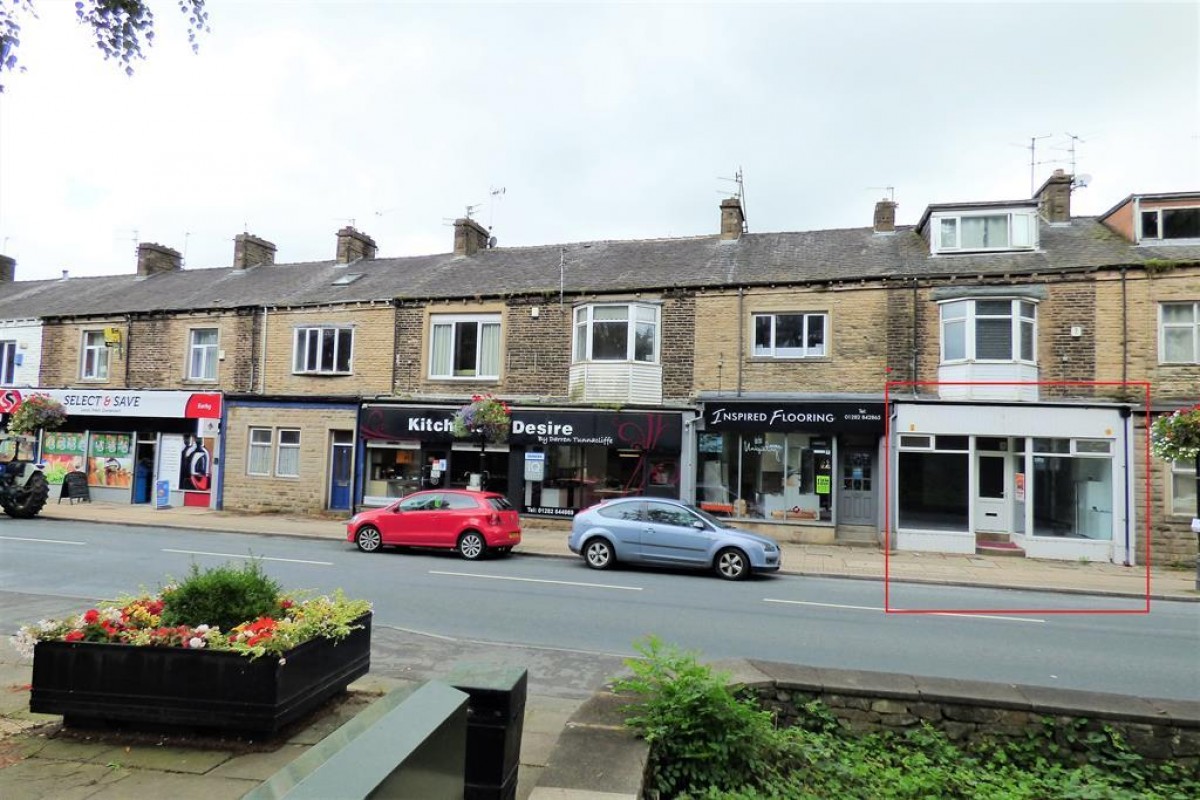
(491, 643)
(1004, 617)
(537, 580)
(255, 558)
(39, 541)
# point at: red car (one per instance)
(471, 522)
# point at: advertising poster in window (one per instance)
(186, 461)
(110, 460)
(63, 453)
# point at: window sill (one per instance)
(987, 252)
(199, 381)
(93, 380)
(323, 374)
(463, 378)
(791, 359)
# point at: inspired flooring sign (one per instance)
(833, 417)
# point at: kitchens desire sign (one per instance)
(831, 417)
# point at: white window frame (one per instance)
(583, 332)
(206, 355)
(772, 351)
(8, 362)
(1021, 231)
(1017, 320)
(252, 445)
(307, 354)
(93, 363)
(289, 447)
(1158, 213)
(1194, 326)
(487, 325)
(1187, 471)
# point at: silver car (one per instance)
(668, 533)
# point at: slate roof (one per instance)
(851, 254)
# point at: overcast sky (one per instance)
(598, 121)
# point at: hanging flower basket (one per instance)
(485, 417)
(37, 411)
(1176, 436)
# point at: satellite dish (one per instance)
(1081, 181)
(491, 242)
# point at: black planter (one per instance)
(173, 686)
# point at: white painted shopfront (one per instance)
(1052, 480)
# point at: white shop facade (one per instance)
(1043, 479)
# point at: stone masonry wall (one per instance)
(538, 349)
(159, 351)
(62, 352)
(371, 365)
(973, 711)
(304, 494)
(856, 341)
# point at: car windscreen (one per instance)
(716, 522)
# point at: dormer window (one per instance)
(1171, 223)
(962, 233)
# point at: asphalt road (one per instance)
(574, 625)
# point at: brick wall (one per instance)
(537, 350)
(372, 355)
(306, 494)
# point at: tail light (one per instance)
(495, 519)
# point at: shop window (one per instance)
(8, 362)
(323, 350)
(202, 355)
(259, 460)
(391, 472)
(933, 490)
(287, 464)
(1072, 497)
(94, 366)
(989, 330)
(790, 335)
(1179, 333)
(465, 346)
(1183, 489)
(625, 332)
(772, 476)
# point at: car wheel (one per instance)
(599, 554)
(732, 564)
(368, 539)
(471, 545)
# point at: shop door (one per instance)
(435, 468)
(991, 500)
(341, 459)
(856, 492)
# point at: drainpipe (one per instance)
(741, 337)
(1129, 505)
(1124, 328)
(890, 520)
(125, 348)
(916, 364)
(396, 344)
(262, 355)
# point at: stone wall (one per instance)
(974, 711)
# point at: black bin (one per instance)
(495, 719)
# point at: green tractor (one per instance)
(23, 486)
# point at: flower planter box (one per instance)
(173, 686)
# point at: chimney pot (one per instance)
(733, 219)
(154, 259)
(885, 216)
(251, 251)
(353, 244)
(469, 237)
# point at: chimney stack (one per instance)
(885, 216)
(154, 259)
(1054, 198)
(733, 219)
(353, 244)
(469, 237)
(251, 251)
(8, 269)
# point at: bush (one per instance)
(700, 734)
(222, 597)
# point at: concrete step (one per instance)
(989, 536)
(998, 549)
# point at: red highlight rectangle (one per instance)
(887, 484)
